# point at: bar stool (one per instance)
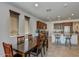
(68, 38)
(57, 40)
(38, 48)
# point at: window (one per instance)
(14, 23)
(27, 24)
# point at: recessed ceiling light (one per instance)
(58, 16)
(36, 4)
(72, 14)
(66, 5)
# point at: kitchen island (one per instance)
(74, 39)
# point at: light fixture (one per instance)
(72, 14)
(36, 4)
(58, 16)
(66, 5)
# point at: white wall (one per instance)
(62, 21)
(50, 27)
(5, 23)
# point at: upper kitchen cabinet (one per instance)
(41, 25)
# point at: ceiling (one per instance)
(50, 11)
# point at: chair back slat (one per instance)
(8, 49)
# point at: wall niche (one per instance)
(75, 26)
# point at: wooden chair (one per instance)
(20, 39)
(45, 43)
(38, 49)
(20, 43)
(30, 37)
(9, 51)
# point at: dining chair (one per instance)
(9, 51)
(45, 46)
(20, 39)
(45, 43)
(37, 49)
(30, 38)
(20, 43)
(46, 40)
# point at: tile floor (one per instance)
(62, 51)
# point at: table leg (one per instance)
(41, 53)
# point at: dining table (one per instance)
(25, 48)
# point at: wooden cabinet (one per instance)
(60, 26)
(67, 24)
(41, 25)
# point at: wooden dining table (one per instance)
(25, 47)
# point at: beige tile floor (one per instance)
(62, 51)
(55, 50)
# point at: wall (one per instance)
(5, 24)
(50, 27)
(76, 27)
(63, 21)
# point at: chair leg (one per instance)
(65, 42)
(41, 53)
(47, 46)
(44, 50)
(70, 42)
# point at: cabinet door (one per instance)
(41, 25)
